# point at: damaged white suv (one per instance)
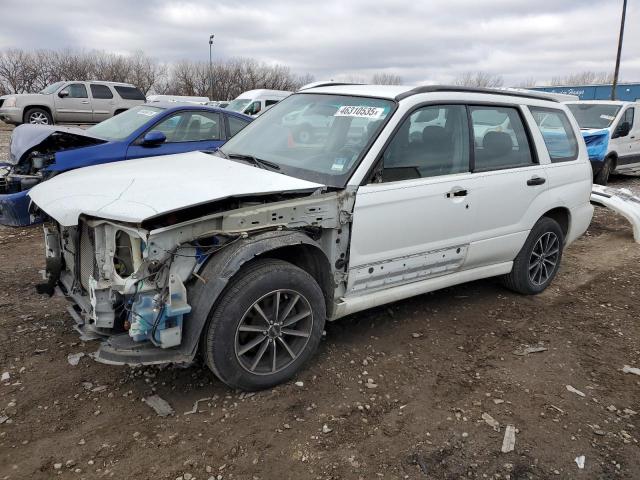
(244, 254)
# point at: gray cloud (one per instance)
(422, 41)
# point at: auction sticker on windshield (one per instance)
(359, 111)
(607, 117)
(147, 113)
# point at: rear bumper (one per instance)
(14, 210)
(11, 115)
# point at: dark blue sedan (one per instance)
(37, 152)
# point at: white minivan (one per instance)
(611, 130)
(247, 258)
(255, 102)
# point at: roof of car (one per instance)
(173, 106)
(399, 92)
(604, 102)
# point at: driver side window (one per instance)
(254, 108)
(75, 90)
(432, 141)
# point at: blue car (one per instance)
(38, 152)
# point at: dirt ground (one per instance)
(439, 362)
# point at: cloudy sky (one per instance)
(422, 41)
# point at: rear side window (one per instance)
(101, 92)
(129, 93)
(557, 133)
(235, 125)
(500, 138)
(268, 103)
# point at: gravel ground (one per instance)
(423, 388)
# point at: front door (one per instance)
(186, 131)
(628, 146)
(73, 105)
(413, 220)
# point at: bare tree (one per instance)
(479, 79)
(527, 83)
(584, 78)
(386, 79)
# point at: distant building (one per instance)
(624, 91)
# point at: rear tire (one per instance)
(250, 347)
(602, 177)
(38, 116)
(539, 259)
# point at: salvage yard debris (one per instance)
(74, 358)
(509, 440)
(633, 370)
(575, 390)
(161, 406)
(195, 406)
(492, 422)
(580, 461)
(526, 350)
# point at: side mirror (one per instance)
(63, 93)
(622, 130)
(153, 139)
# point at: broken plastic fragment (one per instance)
(162, 407)
(5, 377)
(509, 440)
(492, 422)
(575, 390)
(633, 370)
(195, 406)
(580, 461)
(74, 358)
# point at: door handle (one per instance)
(536, 181)
(85, 101)
(457, 193)
(632, 137)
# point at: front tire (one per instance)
(602, 177)
(38, 116)
(266, 325)
(539, 259)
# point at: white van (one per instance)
(178, 99)
(255, 102)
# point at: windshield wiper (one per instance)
(258, 162)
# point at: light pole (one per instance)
(211, 68)
(617, 70)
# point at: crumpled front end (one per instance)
(122, 285)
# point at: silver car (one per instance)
(70, 102)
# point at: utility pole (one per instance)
(615, 74)
(211, 66)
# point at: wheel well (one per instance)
(614, 160)
(26, 110)
(312, 261)
(560, 215)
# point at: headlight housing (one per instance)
(9, 102)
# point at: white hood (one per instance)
(135, 190)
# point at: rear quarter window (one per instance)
(129, 93)
(557, 133)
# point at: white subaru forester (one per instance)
(243, 254)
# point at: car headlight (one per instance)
(9, 102)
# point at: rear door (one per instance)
(186, 131)
(102, 101)
(511, 184)
(73, 104)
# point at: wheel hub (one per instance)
(274, 331)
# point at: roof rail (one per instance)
(326, 84)
(455, 88)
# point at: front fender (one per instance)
(87, 156)
(202, 293)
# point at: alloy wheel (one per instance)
(273, 332)
(38, 118)
(544, 258)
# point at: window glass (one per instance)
(100, 91)
(253, 109)
(594, 115)
(500, 140)
(236, 124)
(238, 105)
(51, 88)
(557, 133)
(190, 127)
(340, 129)
(129, 93)
(124, 124)
(628, 116)
(433, 141)
(268, 103)
(76, 90)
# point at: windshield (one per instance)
(124, 124)
(239, 104)
(593, 115)
(320, 138)
(51, 88)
